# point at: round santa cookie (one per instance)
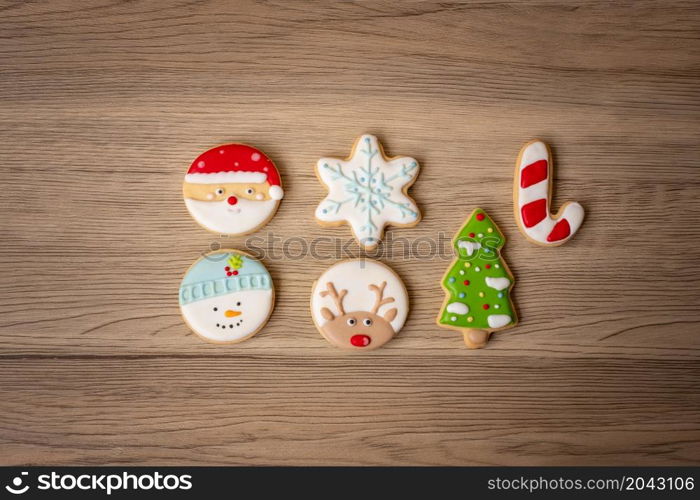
(226, 296)
(359, 304)
(232, 189)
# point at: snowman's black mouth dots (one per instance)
(230, 325)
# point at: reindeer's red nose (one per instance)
(360, 340)
(232, 200)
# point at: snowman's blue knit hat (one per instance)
(222, 273)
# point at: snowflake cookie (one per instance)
(368, 191)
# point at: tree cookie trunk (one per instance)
(475, 339)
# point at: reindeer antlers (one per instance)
(379, 290)
(337, 297)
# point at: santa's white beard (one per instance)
(220, 217)
(255, 307)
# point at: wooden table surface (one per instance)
(103, 105)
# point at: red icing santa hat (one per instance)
(235, 163)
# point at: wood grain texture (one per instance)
(103, 104)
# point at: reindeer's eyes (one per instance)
(367, 322)
(352, 321)
(219, 191)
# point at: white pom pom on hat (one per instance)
(276, 192)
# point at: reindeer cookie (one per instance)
(359, 304)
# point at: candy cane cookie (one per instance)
(532, 194)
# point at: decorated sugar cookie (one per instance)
(359, 304)
(532, 194)
(226, 296)
(368, 191)
(232, 189)
(478, 283)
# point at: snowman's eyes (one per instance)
(219, 191)
(367, 322)
(352, 321)
(249, 191)
(238, 303)
(216, 308)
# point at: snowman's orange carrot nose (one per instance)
(232, 314)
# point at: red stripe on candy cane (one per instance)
(534, 212)
(560, 231)
(533, 173)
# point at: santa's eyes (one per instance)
(219, 191)
(352, 321)
(367, 322)
(249, 191)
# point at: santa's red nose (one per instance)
(232, 200)
(360, 340)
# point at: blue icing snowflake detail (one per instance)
(367, 191)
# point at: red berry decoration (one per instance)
(486, 306)
(488, 266)
(479, 216)
(471, 235)
(229, 273)
(235, 273)
(227, 268)
(466, 282)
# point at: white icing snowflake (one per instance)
(368, 191)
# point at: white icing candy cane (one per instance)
(532, 196)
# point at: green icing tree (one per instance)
(478, 283)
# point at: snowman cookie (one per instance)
(226, 296)
(368, 191)
(359, 304)
(232, 189)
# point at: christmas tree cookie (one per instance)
(478, 283)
